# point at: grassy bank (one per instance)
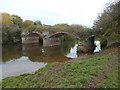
(63, 75)
(111, 80)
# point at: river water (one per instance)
(20, 59)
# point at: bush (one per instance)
(11, 34)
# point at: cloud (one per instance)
(55, 11)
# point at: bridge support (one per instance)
(30, 40)
(48, 40)
(88, 45)
(51, 41)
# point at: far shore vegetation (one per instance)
(105, 27)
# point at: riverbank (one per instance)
(99, 71)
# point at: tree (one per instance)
(38, 22)
(107, 26)
(27, 23)
(62, 24)
(6, 18)
(11, 34)
(17, 20)
(107, 23)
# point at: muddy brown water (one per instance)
(20, 59)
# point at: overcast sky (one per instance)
(52, 12)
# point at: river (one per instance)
(20, 59)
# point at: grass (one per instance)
(111, 80)
(59, 75)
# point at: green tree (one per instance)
(17, 20)
(38, 22)
(10, 34)
(27, 23)
(62, 24)
(107, 23)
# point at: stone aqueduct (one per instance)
(47, 39)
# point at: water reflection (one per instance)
(38, 53)
(11, 52)
(20, 59)
(73, 52)
(98, 47)
(20, 66)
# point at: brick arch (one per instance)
(58, 34)
(34, 34)
(32, 37)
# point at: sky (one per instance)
(52, 12)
